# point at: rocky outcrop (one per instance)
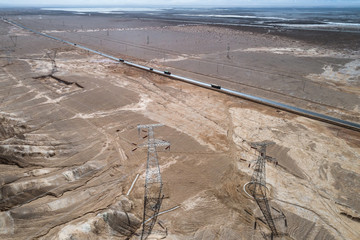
(124, 223)
(119, 218)
(6, 223)
(10, 128)
(116, 220)
(22, 191)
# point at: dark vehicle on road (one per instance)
(215, 86)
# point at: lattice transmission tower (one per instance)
(10, 49)
(258, 189)
(153, 182)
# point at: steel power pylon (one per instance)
(153, 182)
(258, 188)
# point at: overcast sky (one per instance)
(335, 3)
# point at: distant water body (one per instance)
(325, 19)
(103, 10)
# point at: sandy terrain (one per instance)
(313, 76)
(67, 140)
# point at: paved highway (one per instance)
(282, 106)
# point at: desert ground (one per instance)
(68, 133)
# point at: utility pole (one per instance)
(153, 182)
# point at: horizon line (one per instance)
(175, 6)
